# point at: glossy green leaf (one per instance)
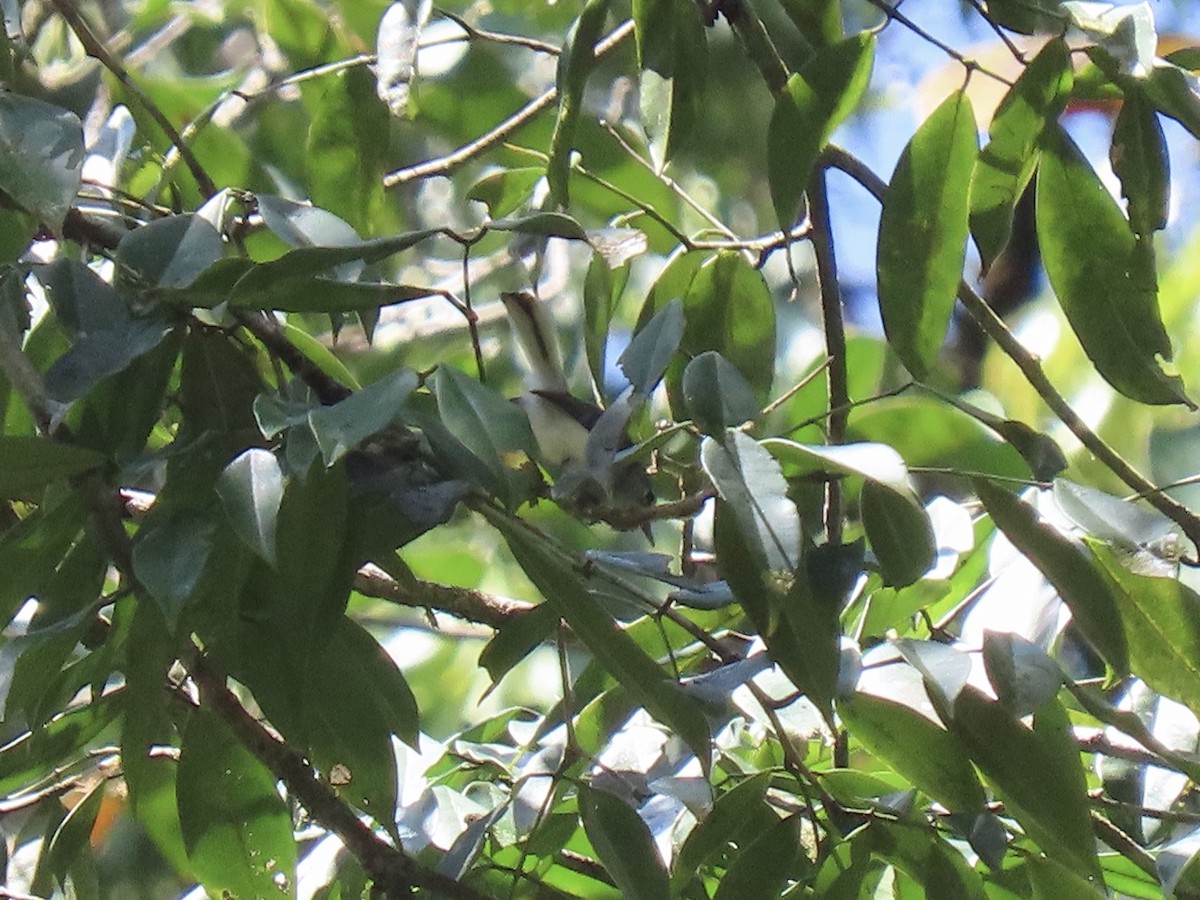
(815, 102)
(900, 533)
(236, 827)
(652, 348)
(517, 638)
(1139, 159)
(717, 395)
(938, 869)
(932, 758)
(1022, 674)
(762, 868)
(613, 648)
(29, 464)
(574, 66)
(170, 556)
(169, 252)
(1169, 88)
(602, 286)
(544, 224)
(1037, 771)
(1161, 618)
(1101, 281)
(41, 156)
(923, 234)
(820, 21)
(492, 428)
(1085, 591)
(1007, 162)
(251, 490)
(624, 844)
(343, 426)
(506, 190)
(1027, 16)
(749, 479)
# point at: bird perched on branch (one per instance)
(581, 445)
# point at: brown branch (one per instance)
(95, 49)
(462, 603)
(391, 870)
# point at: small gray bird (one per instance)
(578, 442)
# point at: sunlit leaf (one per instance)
(396, 51)
(716, 393)
(1066, 566)
(1007, 162)
(923, 234)
(251, 489)
(1101, 281)
(815, 101)
(623, 843)
(928, 755)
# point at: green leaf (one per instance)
(1007, 162)
(70, 839)
(1028, 16)
(1161, 617)
(624, 845)
(30, 756)
(1139, 158)
(896, 522)
(749, 479)
(814, 103)
(1023, 675)
(1102, 283)
(613, 648)
(900, 534)
(347, 145)
(343, 426)
(358, 701)
(671, 57)
(932, 758)
(717, 395)
(236, 827)
(801, 630)
(1092, 603)
(494, 430)
(602, 286)
(923, 234)
(147, 724)
(31, 549)
(506, 190)
(168, 253)
(1051, 880)
(251, 490)
(544, 224)
(728, 308)
(1037, 771)
(739, 816)
(29, 464)
(652, 348)
(41, 156)
(170, 556)
(762, 869)
(517, 638)
(575, 64)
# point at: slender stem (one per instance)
(444, 165)
(835, 341)
(96, 49)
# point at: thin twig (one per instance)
(969, 64)
(444, 165)
(96, 50)
(1000, 32)
(1118, 840)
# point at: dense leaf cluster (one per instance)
(264, 495)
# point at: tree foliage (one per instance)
(271, 527)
